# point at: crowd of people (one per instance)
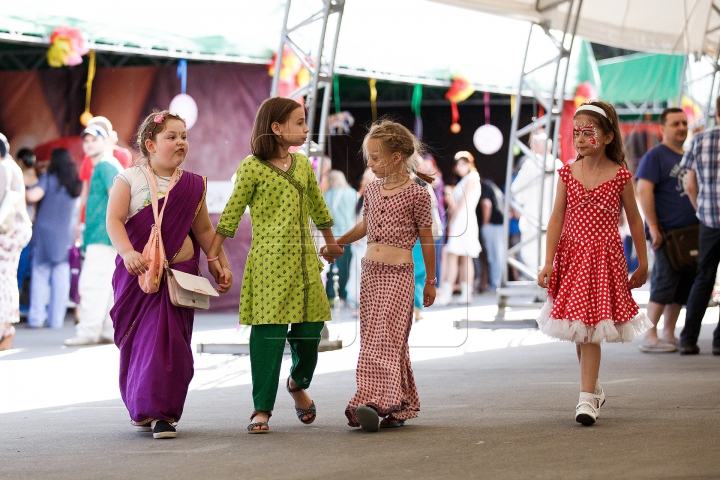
(401, 234)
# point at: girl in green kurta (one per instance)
(282, 283)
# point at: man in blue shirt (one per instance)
(666, 205)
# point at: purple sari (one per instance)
(153, 335)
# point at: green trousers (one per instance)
(267, 344)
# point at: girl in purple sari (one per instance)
(153, 335)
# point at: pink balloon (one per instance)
(488, 139)
(184, 105)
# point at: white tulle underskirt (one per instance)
(605, 331)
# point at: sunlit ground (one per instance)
(71, 376)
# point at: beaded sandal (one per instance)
(259, 424)
(301, 412)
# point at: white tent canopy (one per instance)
(661, 26)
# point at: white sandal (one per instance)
(586, 413)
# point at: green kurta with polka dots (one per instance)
(282, 281)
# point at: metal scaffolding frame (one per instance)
(321, 65)
(552, 104)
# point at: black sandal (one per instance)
(259, 424)
(301, 412)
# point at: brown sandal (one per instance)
(259, 424)
(301, 412)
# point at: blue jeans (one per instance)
(49, 289)
(708, 260)
(493, 243)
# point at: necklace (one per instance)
(396, 187)
(597, 177)
(284, 159)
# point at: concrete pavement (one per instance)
(495, 404)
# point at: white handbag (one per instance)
(187, 290)
(11, 204)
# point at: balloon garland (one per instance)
(66, 47)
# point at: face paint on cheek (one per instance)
(587, 130)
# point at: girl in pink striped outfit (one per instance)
(397, 212)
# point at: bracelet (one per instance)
(431, 282)
(212, 259)
(226, 266)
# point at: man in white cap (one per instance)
(95, 288)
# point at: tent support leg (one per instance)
(550, 122)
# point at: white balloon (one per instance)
(488, 139)
(184, 105)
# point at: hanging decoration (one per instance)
(293, 73)
(340, 122)
(336, 93)
(183, 104)
(460, 90)
(488, 139)
(373, 98)
(66, 47)
(86, 116)
(415, 106)
(693, 112)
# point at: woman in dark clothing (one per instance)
(59, 189)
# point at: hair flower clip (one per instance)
(159, 118)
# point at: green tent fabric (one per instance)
(583, 68)
(640, 78)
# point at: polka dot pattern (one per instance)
(589, 281)
(395, 219)
(384, 375)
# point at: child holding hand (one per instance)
(396, 212)
(282, 285)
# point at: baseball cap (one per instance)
(95, 131)
(464, 154)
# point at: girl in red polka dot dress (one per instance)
(589, 299)
(396, 212)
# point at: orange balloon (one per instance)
(85, 117)
(455, 128)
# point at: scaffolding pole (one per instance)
(320, 63)
(552, 103)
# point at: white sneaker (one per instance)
(78, 341)
(586, 413)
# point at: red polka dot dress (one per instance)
(589, 300)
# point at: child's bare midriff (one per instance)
(379, 252)
(185, 253)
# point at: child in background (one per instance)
(589, 298)
(397, 212)
(282, 284)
